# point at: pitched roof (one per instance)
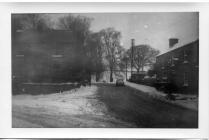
(178, 47)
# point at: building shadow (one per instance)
(136, 107)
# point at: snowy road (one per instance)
(75, 108)
(101, 105)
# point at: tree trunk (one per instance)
(138, 70)
(111, 76)
(97, 77)
(126, 70)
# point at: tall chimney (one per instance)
(173, 41)
(132, 52)
(132, 42)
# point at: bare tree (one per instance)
(110, 39)
(143, 55)
(79, 25)
(38, 22)
(95, 53)
(125, 62)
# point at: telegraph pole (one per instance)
(132, 53)
(126, 67)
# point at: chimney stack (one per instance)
(173, 41)
(132, 42)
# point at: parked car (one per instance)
(120, 82)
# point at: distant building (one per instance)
(180, 67)
(47, 56)
(137, 77)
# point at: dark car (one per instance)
(120, 82)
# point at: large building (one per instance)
(47, 56)
(179, 67)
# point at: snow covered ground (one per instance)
(74, 108)
(97, 106)
(187, 101)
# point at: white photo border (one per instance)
(6, 130)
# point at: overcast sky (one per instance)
(149, 28)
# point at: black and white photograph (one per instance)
(105, 70)
(103, 139)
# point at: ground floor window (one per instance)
(186, 79)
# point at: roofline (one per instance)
(23, 30)
(178, 47)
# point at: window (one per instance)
(164, 76)
(20, 53)
(57, 56)
(186, 79)
(59, 49)
(58, 52)
(173, 60)
(185, 57)
(162, 66)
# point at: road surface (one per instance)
(101, 105)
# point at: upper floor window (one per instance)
(57, 56)
(185, 57)
(173, 60)
(20, 53)
(59, 49)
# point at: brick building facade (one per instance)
(180, 67)
(48, 56)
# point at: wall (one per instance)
(44, 56)
(180, 67)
